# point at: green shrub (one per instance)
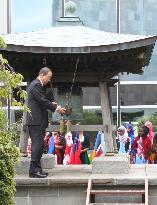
(92, 118)
(8, 151)
(8, 159)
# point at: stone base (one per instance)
(47, 162)
(117, 164)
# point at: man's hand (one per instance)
(61, 110)
(54, 103)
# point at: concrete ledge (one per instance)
(47, 162)
(79, 174)
(117, 164)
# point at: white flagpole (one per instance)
(118, 84)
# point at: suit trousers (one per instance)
(37, 134)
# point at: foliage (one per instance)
(8, 159)
(15, 132)
(152, 119)
(9, 153)
(92, 118)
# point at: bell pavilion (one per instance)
(98, 55)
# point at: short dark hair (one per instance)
(145, 130)
(44, 71)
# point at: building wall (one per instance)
(5, 16)
(136, 17)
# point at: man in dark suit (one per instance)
(37, 119)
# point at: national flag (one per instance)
(75, 151)
(69, 143)
(51, 145)
(97, 141)
(97, 146)
(99, 151)
(140, 149)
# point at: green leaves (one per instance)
(8, 159)
(152, 119)
(9, 153)
(2, 43)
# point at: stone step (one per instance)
(47, 162)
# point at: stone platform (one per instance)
(68, 185)
(112, 164)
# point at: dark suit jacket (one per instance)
(38, 105)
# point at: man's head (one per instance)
(45, 75)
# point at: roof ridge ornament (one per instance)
(70, 8)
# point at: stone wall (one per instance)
(48, 195)
(68, 184)
(74, 195)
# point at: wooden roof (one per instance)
(74, 39)
(101, 55)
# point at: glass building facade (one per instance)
(137, 92)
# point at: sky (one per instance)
(31, 15)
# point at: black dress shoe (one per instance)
(45, 173)
(37, 175)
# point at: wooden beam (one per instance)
(118, 192)
(88, 191)
(106, 115)
(76, 128)
(146, 191)
(66, 77)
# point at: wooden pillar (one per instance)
(106, 115)
(24, 132)
(113, 129)
(24, 135)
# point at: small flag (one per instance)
(140, 149)
(52, 145)
(75, 151)
(69, 143)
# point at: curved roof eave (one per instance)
(70, 39)
(87, 49)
